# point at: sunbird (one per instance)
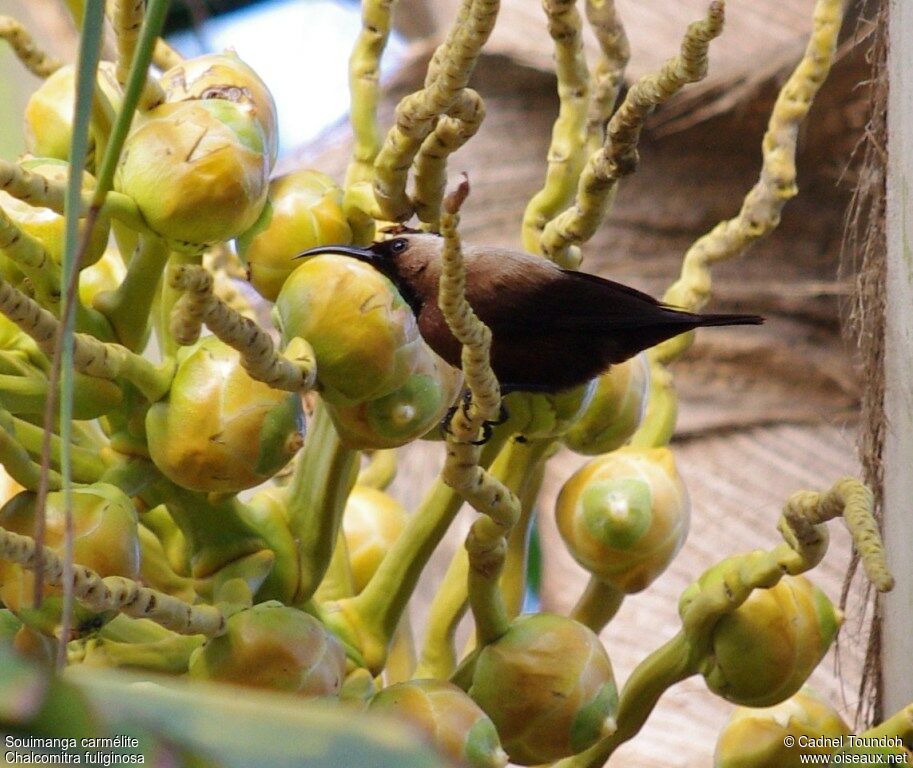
(552, 328)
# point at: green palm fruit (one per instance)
(372, 521)
(616, 410)
(450, 719)
(49, 111)
(764, 651)
(219, 429)
(542, 416)
(224, 76)
(105, 540)
(405, 414)
(364, 336)
(547, 685)
(198, 171)
(46, 225)
(625, 515)
(304, 210)
(277, 647)
(754, 738)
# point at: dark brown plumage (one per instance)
(551, 328)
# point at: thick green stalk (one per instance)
(128, 306)
(86, 466)
(598, 604)
(324, 474)
(377, 609)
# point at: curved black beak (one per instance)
(363, 254)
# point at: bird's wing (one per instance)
(569, 301)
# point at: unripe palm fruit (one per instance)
(453, 722)
(218, 429)
(764, 651)
(616, 410)
(274, 646)
(46, 225)
(105, 540)
(405, 414)
(365, 337)
(372, 521)
(224, 76)
(304, 210)
(540, 416)
(49, 111)
(197, 170)
(625, 515)
(547, 685)
(754, 738)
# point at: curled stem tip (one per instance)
(197, 305)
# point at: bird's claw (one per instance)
(487, 426)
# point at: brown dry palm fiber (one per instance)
(864, 258)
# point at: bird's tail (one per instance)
(722, 319)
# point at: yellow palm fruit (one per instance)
(539, 416)
(277, 647)
(46, 225)
(105, 540)
(106, 274)
(304, 210)
(547, 685)
(451, 720)
(224, 76)
(8, 486)
(218, 429)
(625, 515)
(372, 521)
(764, 651)
(616, 410)
(405, 414)
(365, 337)
(49, 111)
(198, 171)
(754, 738)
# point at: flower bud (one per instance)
(224, 76)
(218, 429)
(616, 410)
(197, 170)
(625, 515)
(372, 521)
(277, 647)
(105, 540)
(46, 225)
(764, 651)
(539, 416)
(547, 685)
(364, 336)
(304, 210)
(757, 738)
(405, 414)
(451, 720)
(49, 111)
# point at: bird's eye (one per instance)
(398, 245)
